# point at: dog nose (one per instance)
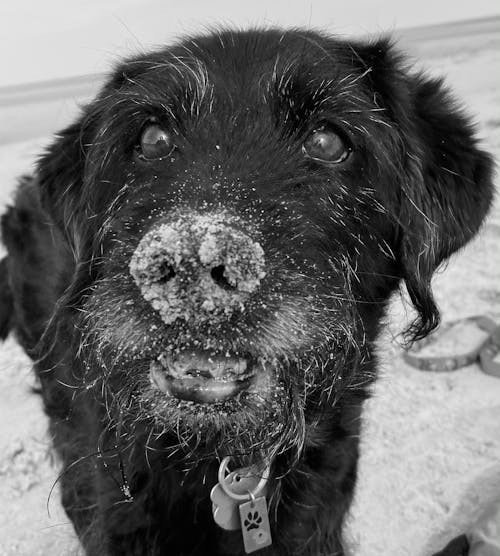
(197, 266)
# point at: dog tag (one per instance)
(255, 524)
(224, 507)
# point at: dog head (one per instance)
(239, 207)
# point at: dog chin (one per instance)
(239, 407)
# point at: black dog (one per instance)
(200, 268)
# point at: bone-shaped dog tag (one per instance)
(255, 524)
(224, 509)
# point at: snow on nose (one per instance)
(197, 266)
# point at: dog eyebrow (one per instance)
(299, 95)
(194, 75)
(179, 84)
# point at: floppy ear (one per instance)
(447, 197)
(61, 170)
(6, 301)
(446, 186)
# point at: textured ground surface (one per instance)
(431, 442)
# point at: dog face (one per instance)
(239, 208)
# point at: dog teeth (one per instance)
(201, 365)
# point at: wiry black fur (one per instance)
(338, 240)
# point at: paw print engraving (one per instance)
(252, 521)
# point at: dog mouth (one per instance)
(201, 377)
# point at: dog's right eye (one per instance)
(155, 143)
(326, 144)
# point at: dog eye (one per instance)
(326, 145)
(155, 143)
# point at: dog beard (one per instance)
(251, 427)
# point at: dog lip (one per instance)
(198, 388)
(201, 377)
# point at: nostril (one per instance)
(167, 272)
(217, 274)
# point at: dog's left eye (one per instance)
(326, 145)
(155, 143)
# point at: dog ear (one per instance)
(447, 197)
(446, 187)
(61, 171)
(6, 301)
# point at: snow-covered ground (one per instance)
(431, 443)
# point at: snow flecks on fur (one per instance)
(174, 266)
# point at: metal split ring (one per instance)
(224, 469)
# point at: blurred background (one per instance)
(430, 450)
(55, 52)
